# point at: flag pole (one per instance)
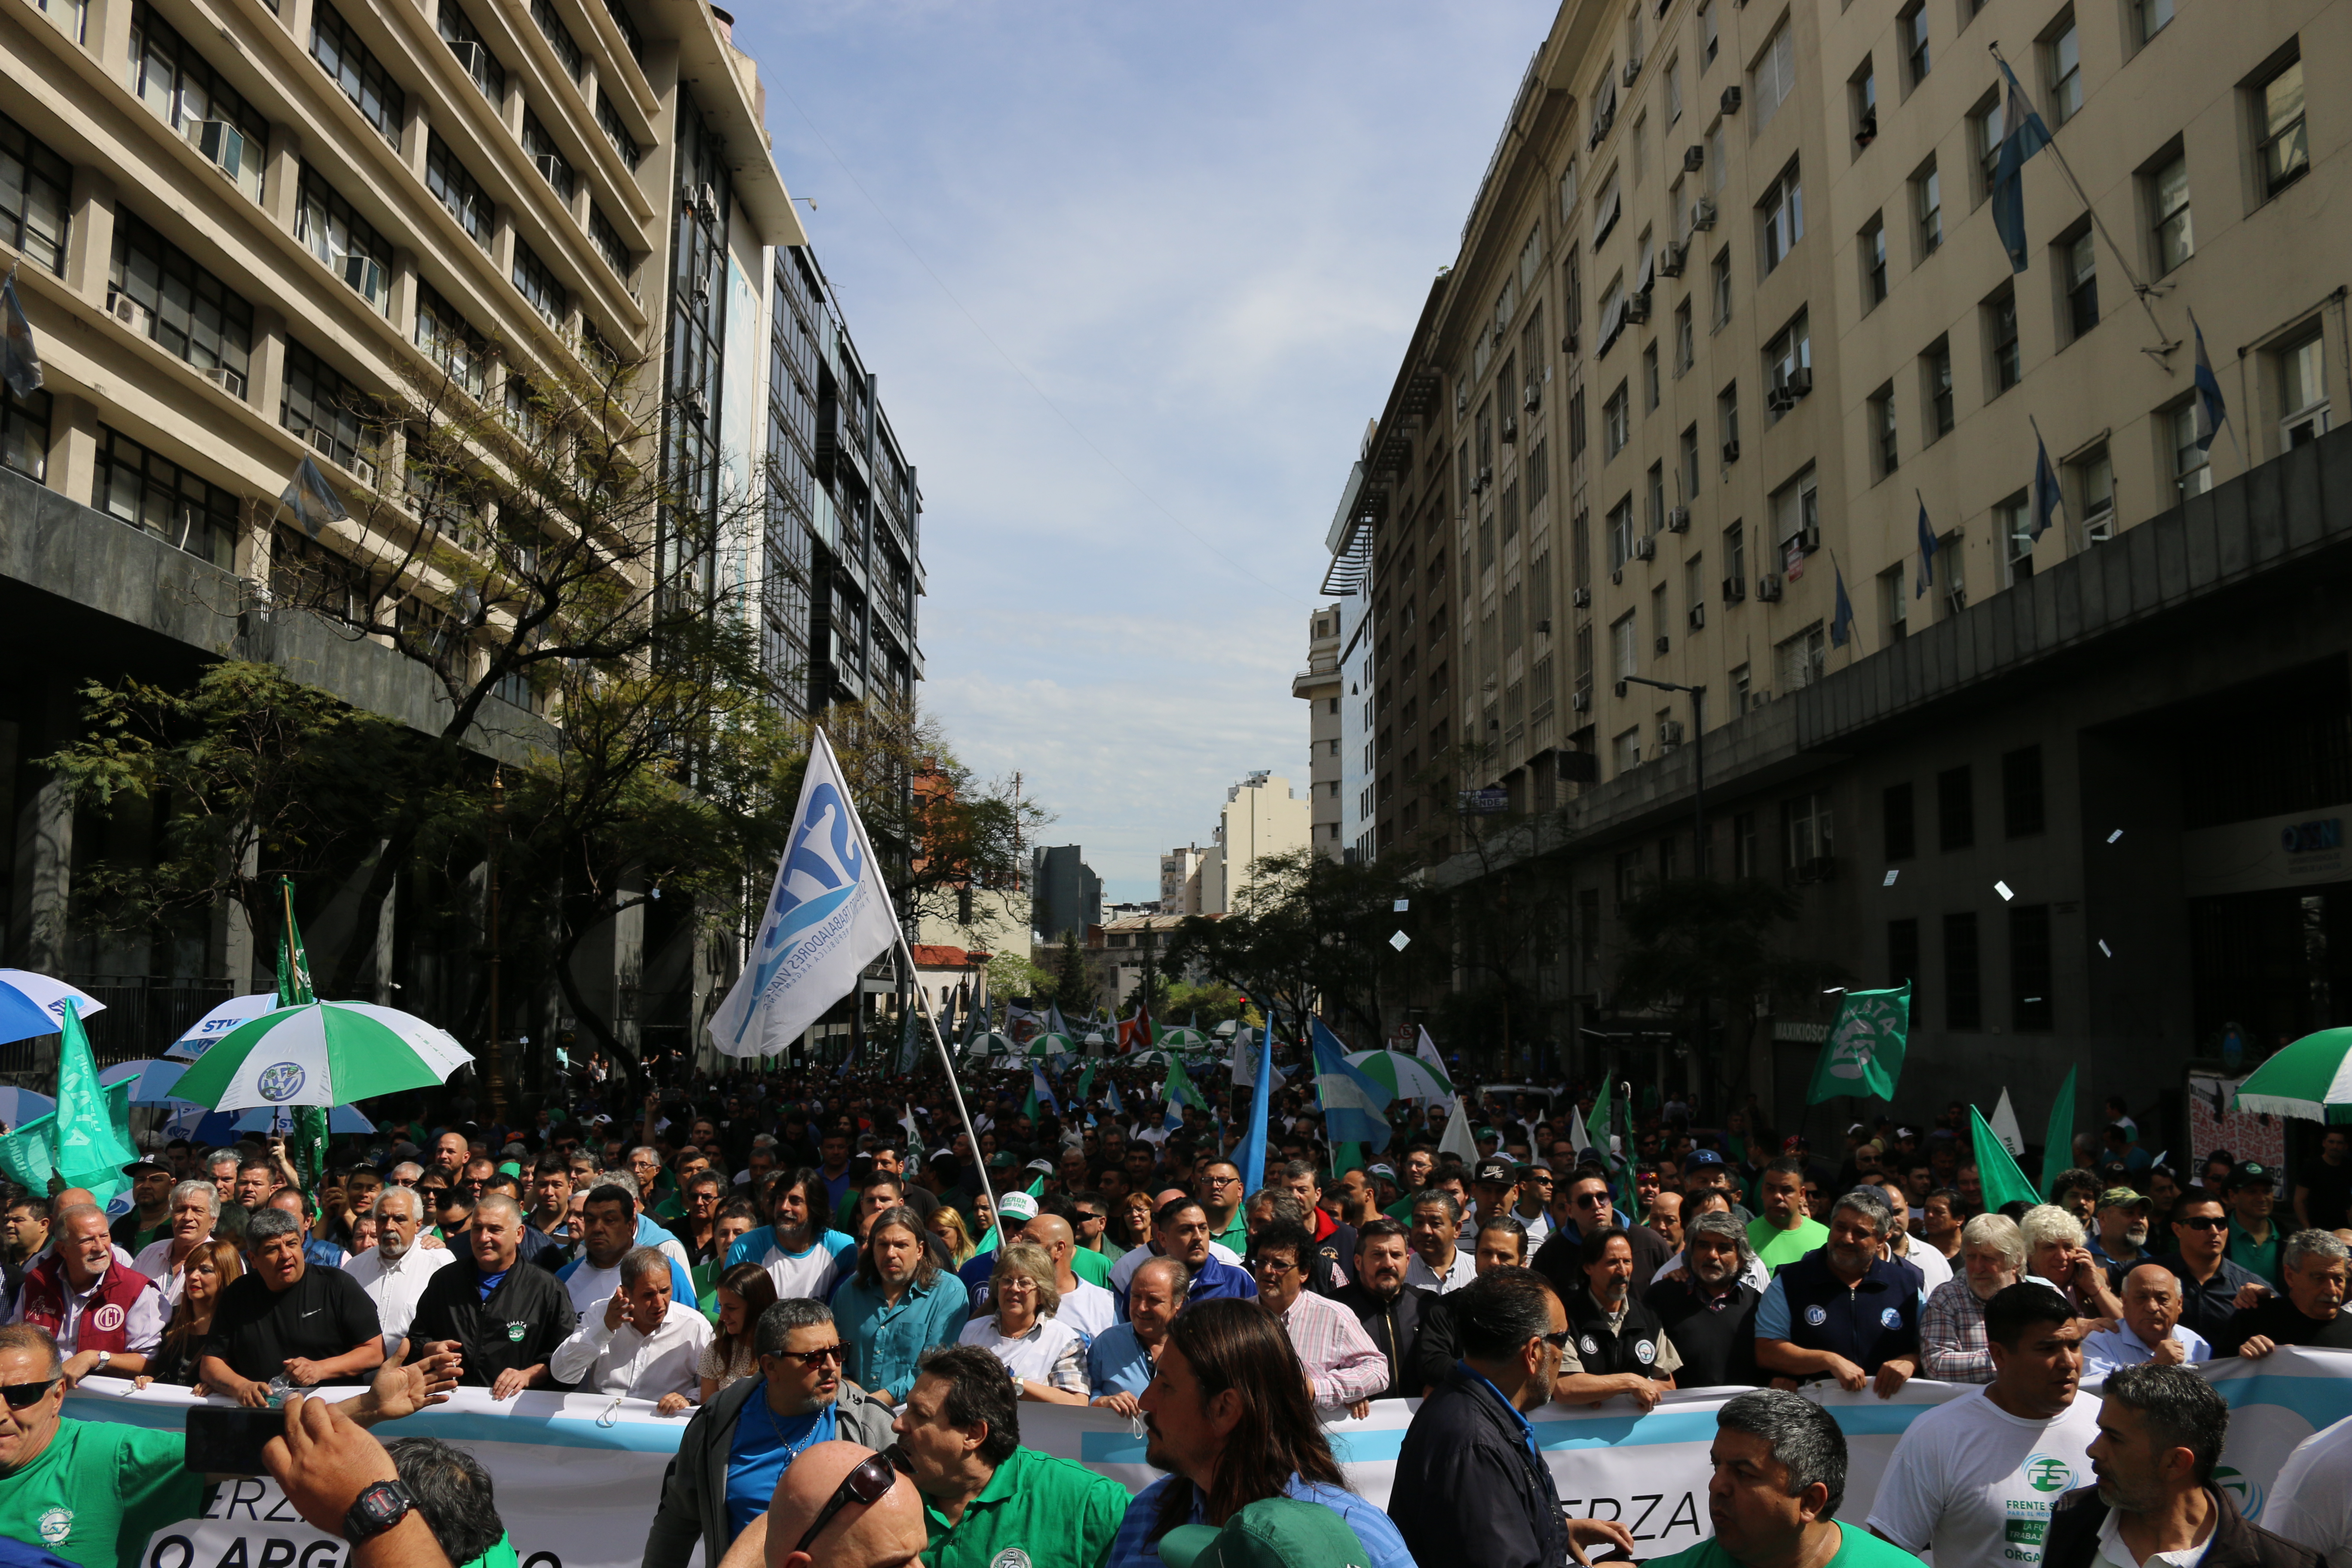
(979, 1163)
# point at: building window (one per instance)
(1927, 203)
(183, 308)
(1955, 810)
(1688, 472)
(1743, 845)
(1810, 836)
(133, 485)
(2012, 528)
(1726, 419)
(1783, 214)
(2021, 791)
(2094, 494)
(2150, 17)
(457, 190)
(1576, 436)
(323, 409)
(1652, 390)
(609, 243)
(2030, 968)
(1984, 138)
(1873, 262)
(1911, 30)
(2167, 190)
(2078, 272)
(2192, 470)
(344, 241)
(553, 166)
(2286, 151)
(1885, 449)
(1625, 646)
(1656, 520)
(1963, 1008)
(2062, 58)
(35, 188)
(628, 27)
(1674, 90)
(2001, 337)
(1710, 39)
(536, 282)
(1775, 77)
(472, 54)
(1735, 565)
(1897, 825)
(25, 434)
(1620, 533)
(1719, 283)
(182, 88)
(616, 131)
(1789, 366)
(1936, 367)
(2303, 392)
(1616, 423)
(1861, 101)
(1568, 190)
(559, 38)
(1686, 340)
(1799, 661)
(356, 69)
(450, 343)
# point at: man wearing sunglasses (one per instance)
(2211, 1287)
(738, 1447)
(841, 1503)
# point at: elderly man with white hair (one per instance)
(1952, 1343)
(637, 1341)
(395, 1271)
(194, 1209)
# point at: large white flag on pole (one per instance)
(828, 916)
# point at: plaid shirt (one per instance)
(1339, 1356)
(1952, 1335)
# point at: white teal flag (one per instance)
(828, 916)
(1427, 1053)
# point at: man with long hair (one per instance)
(1228, 1415)
(899, 1304)
(800, 1254)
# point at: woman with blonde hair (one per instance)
(1046, 1357)
(947, 1225)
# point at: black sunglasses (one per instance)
(2204, 1222)
(868, 1483)
(1559, 1341)
(21, 1394)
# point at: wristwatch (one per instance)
(376, 1510)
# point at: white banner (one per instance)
(579, 1475)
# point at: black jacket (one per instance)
(1437, 1348)
(1395, 1326)
(2280, 1321)
(1560, 1259)
(2076, 1518)
(520, 1326)
(1468, 1491)
(1717, 1343)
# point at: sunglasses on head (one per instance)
(868, 1483)
(21, 1394)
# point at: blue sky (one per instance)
(1132, 280)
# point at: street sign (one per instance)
(1482, 802)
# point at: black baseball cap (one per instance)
(1492, 1173)
(2251, 1173)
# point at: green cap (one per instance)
(1274, 1532)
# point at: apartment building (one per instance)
(1730, 325)
(1261, 818)
(234, 222)
(1179, 880)
(1318, 686)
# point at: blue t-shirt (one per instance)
(764, 1445)
(487, 1283)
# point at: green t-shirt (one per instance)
(1236, 1235)
(1777, 1246)
(1056, 1512)
(501, 1555)
(2260, 1259)
(98, 1490)
(1091, 1265)
(1860, 1549)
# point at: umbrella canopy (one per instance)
(1050, 1044)
(322, 1053)
(1183, 1038)
(151, 1081)
(18, 1106)
(32, 1005)
(340, 1119)
(2311, 1078)
(995, 1042)
(199, 1035)
(1404, 1076)
(1148, 1059)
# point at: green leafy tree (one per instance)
(1074, 982)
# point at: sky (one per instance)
(1132, 279)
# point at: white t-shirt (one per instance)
(1087, 1308)
(1932, 1265)
(1976, 1484)
(2311, 1501)
(812, 1273)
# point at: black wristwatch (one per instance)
(376, 1510)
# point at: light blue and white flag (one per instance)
(2212, 412)
(828, 916)
(2023, 135)
(1353, 1103)
(1252, 1155)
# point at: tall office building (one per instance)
(1318, 686)
(1732, 385)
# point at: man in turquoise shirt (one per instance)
(896, 1306)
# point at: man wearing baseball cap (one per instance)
(151, 1212)
(2119, 1240)
(1493, 1188)
(2252, 1193)
(1704, 1170)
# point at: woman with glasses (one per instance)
(1131, 1223)
(1046, 1357)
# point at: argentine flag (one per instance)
(1353, 1103)
(828, 916)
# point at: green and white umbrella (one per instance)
(1050, 1044)
(2311, 1078)
(1154, 1058)
(1405, 1076)
(995, 1042)
(320, 1052)
(1183, 1038)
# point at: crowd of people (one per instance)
(845, 1299)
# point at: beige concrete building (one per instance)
(1262, 817)
(1318, 686)
(1728, 312)
(1179, 880)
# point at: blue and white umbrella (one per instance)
(217, 1023)
(151, 1080)
(18, 1106)
(34, 1004)
(264, 1119)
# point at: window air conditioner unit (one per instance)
(1702, 213)
(1678, 520)
(1670, 262)
(1661, 643)
(1776, 399)
(1582, 701)
(1731, 451)
(1637, 306)
(1696, 616)
(1768, 589)
(696, 404)
(1510, 429)
(1485, 475)
(1462, 399)
(1807, 539)
(1544, 625)
(1867, 131)
(130, 313)
(1731, 101)
(220, 141)
(1617, 577)
(1645, 549)
(1693, 158)
(227, 380)
(1534, 398)
(1670, 731)
(706, 204)
(1580, 598)
(1800, 382)
(1734, 590)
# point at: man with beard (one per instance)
(1953, 1347)
(799, 1252)
(1843, 1310)
(394, 1272)
(1779, 1471)
(2119, 1239)
(1709, 1313)
(1616, 1343)
(1391, 1311)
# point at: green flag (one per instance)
(28, 1155)
(92, 1141)
(1179, 1090)
(1085, 1086)
(1862, 1053)
(2058, 1143)
(307, 1144)
(293, 958)
(2003, 1183)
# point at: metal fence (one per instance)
(144, 1014)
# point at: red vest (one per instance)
(105, 1324)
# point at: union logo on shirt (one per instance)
(2048, 1473)
(107, 1319)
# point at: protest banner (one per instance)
(579, 1475)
